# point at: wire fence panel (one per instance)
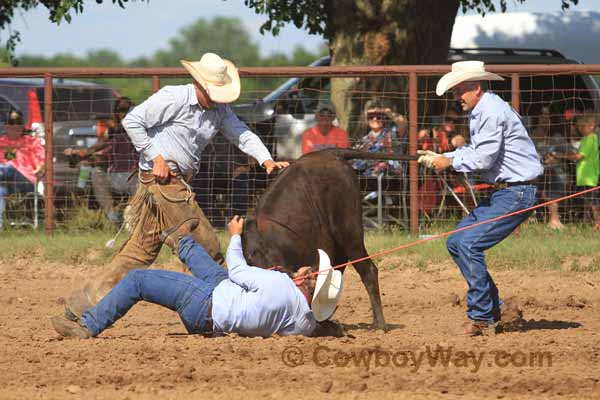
(93, 160)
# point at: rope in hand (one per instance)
(433, 237)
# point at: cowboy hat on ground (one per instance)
(328, 289)
(464, 71)
(217, 76)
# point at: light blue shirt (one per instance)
(173, 124)
(258, 302)
(500, 147)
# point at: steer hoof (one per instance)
(380, 326)
(329, 328)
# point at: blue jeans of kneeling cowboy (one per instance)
(467, 247)
(189, 296)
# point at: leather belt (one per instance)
(147, 176)
(504, 185)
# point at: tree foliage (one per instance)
(58, 11)
(314, 15)
(190, 43)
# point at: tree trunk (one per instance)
(383, 32)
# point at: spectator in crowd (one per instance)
(458, 141)
(381, 138)
(588, 163)
(550, 144)
(21, 160)
(443, 135)
(324, 135)
(114, 158)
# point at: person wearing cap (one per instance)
(21, 160)
(246, 300)
(170, 130)
(324, 135)
(502, 151)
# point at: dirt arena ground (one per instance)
(147, 354)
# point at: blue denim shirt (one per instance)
(173, 124)
(258, 302)
(500, 147)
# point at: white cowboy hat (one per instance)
(463, 71)
(328, 289)
(217, 76)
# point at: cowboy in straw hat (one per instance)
(242, 299)
(503, 153)
(170, 130)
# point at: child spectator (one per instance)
(445, 132)
(324, 135)
(458, 141)
(588, 164)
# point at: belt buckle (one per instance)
(501, 185)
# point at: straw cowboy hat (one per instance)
(328, 289)
(217, 76)
(463, 71)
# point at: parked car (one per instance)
(80, 110)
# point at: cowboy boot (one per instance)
(77, 303)
(68, 328)
(171, 236)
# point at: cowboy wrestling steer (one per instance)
(315, 204)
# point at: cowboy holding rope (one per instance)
(502, 151)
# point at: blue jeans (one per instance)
(189, 296)
(11, 181)
(467, 247)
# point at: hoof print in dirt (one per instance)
(576, 302)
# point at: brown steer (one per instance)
(313, 204)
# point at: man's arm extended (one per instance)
(250, 278)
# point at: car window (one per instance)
(314, 92)
(79, 103)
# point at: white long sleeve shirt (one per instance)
(258, 302)
(173, 124)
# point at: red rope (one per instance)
(433, 237)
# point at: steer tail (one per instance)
(350, 154)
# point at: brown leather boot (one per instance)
(76, 304)
(68, 328)
(171, 236)
(479, 328)
(509, 316)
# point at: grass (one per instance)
(534, 248)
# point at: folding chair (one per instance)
(19, 203)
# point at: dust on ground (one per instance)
(148, 355)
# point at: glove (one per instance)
(426, 157)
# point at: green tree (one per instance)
(58, 11)
(192, 41)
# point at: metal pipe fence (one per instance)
(411, 196)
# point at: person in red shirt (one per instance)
(21, 160)
(324, 135)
